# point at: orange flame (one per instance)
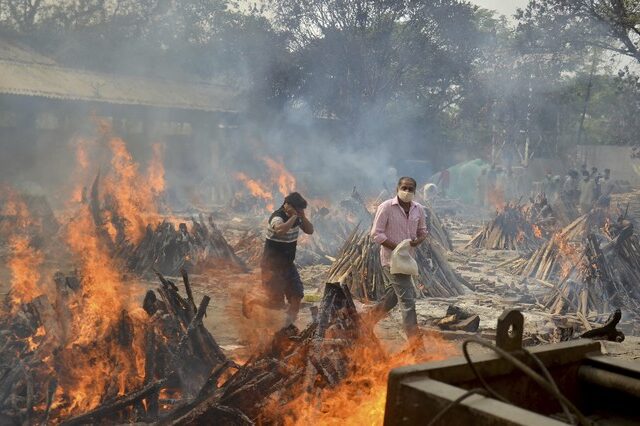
(24, 264)
(102, 352)
(569, 255)
(281, 176)
(360, 398)
(155, 174)
(24, 261)
(82, 170)
(15, 207)
(256, 188)
(92, 360)
(134, 196)
(537, 231)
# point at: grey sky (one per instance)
(505, 7)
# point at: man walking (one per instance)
(398, 219)
(280, 276)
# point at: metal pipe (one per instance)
(610, 380)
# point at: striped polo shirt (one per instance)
(281, 248)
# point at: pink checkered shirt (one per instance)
(391, 223)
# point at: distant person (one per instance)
(429, 192)
(481, 188)
(443, 181)
(597, 187)
(509, 184)
(492, 179)
(554, 192)
(571, 188)
(594, 172)
(583, 169)
(587, 187)
(280, 277)
(398, 219)
(607, 184)
(547, 182)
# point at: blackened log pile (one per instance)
(358, 266)
(179, 356)
(509, 230)
(249, 247)
(169, 250)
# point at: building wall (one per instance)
(37, 139)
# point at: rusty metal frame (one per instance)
(437, 382)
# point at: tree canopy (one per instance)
(433, 77)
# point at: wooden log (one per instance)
(152, 406)
(185, 279)
(123, 402)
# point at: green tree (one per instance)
(613, 25)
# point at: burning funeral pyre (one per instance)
(595, 262)
(509, 230)
(163, 248)
(334, 366)
(143, 361)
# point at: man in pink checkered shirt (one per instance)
(396, 220)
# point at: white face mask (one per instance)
(406, 196)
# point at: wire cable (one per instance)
(467, 394)
(551, 388)
(545, 381)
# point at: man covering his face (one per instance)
(280, 277)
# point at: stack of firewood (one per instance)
(358, 265)
(593, 265)
(168, 250)
(437, 230)
(509, 230)
(179, 355)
